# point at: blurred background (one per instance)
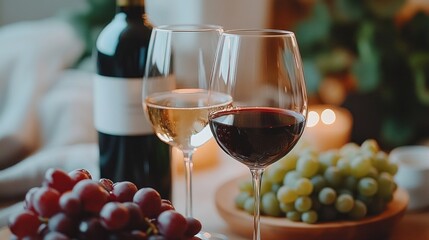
(367, 57)
(370, 56)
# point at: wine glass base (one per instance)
(211, 236)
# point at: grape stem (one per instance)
(152, 229)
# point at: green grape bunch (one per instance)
(349, 183)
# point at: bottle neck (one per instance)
(133, 8)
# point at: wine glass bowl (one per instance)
(262, 71)
(175, 93)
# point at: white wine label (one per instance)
(118, 106)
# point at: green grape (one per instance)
(303, 203)
(286, 194)
(343, 164)
(275, 187)
(349, 149)
(350, 182)
(333, 176)
(327, 196)
(307, 165)
(241, 198)
(392, 168)
(381, 162)
(344, 203)
(275, 174)
(303, 187)
(360, 166)
(294, 216)
(358, 211)
(288, 162)
(246, 186)
(309, 217)
(327, 159)
(386, 186)
(249, 205)
(270, 205)
(318, 182)
(367, 186)
(265, 186)
(290, 178)
(370, 145)
(373, 172)
(287, 207)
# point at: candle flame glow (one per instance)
(327, 117)
(313, 119)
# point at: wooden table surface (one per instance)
(413, 226)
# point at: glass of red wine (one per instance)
(262, 71)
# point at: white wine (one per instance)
(180, 117)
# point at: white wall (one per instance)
(18, 10)
(228, 13)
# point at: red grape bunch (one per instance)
(74, 206)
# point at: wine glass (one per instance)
(175, 89)
(261, 70)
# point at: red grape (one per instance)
(124, 191)
(71, 204)
(62, 223)
(92, 195)
(58, 180)
(28, 201)
(79, 175)
(193, 226)
(106, 184)
(149, 201)
(156, 237)
(46, 201)
(74, 206)
(55, 236)
(136, 220)
(138, 235)
(171, 224)
(25, 223)
(114, 216)
(92, 229)
(166, 205)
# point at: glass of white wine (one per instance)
(175, 89)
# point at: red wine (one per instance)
(129, 150)
(257, 137)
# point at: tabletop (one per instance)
(207, 179)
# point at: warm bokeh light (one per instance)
(312, 119)
(328, 116)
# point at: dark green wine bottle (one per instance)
(129, 150)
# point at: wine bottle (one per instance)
(128, 148)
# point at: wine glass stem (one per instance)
(187, 157)
(257, 180)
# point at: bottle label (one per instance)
(118, 106)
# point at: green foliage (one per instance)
(89, 21)
(362, 38)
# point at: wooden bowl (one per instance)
(369, 228)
